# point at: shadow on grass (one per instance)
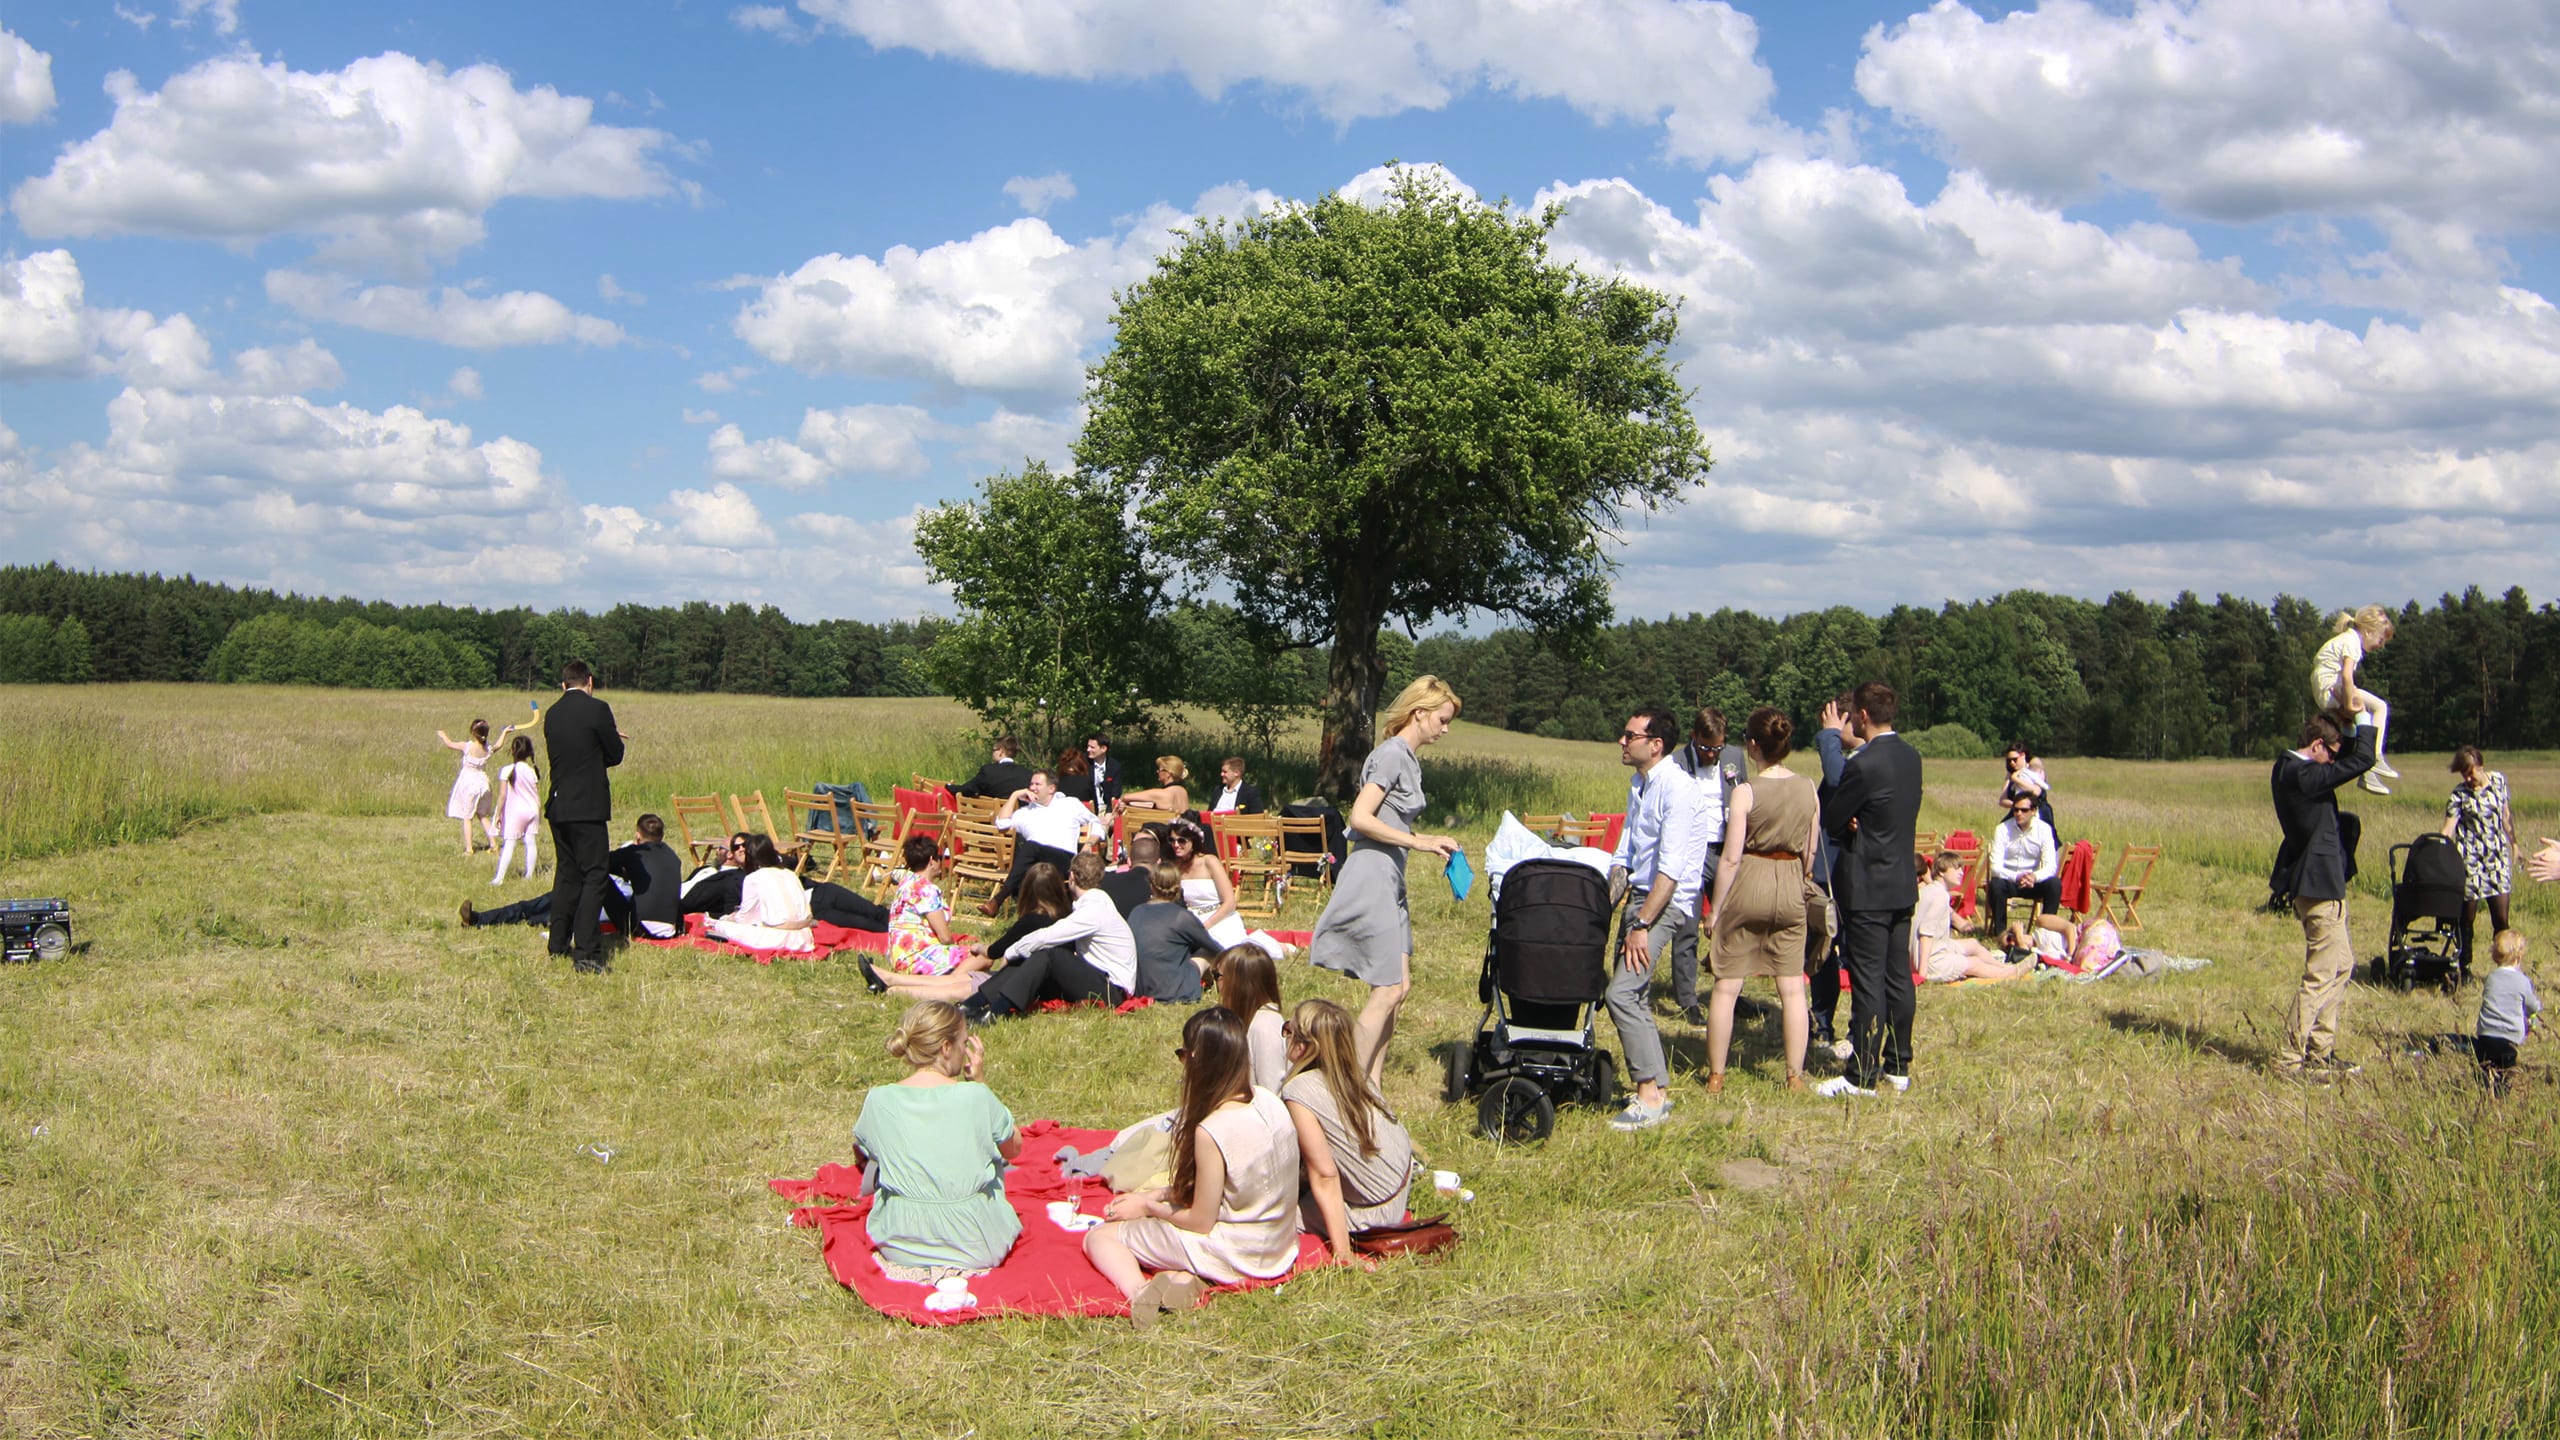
(2249, 1053)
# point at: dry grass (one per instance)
(309, 1160)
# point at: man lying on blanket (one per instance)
(646, 889)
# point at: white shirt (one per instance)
(1060, 824)
(2013, 850)
(1666, 827)
(1100, 935)
(1227, 798)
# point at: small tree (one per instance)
(71, 651)
(1058, 628)
(1339, 414)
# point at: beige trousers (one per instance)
(2328, 958)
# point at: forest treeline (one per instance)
(2124, 677)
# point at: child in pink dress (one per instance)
(519, 806)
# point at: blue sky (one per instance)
(584, 303)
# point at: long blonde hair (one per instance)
(927, 1032)
(2369, 622)
(1427, 692)
(1333, 1051)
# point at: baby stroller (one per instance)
(2427, 943)
(1546, 965)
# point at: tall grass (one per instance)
(284, 1152)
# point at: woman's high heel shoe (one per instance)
(1715, 1083)
(1795, 1080)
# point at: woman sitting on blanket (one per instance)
(920, 938)
(1249, 984)
(1938, 955)
(1231, 1213)
(1041, 902)
(941, 1140)
(1355, 1159)
(773, 906)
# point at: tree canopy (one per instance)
(1340, 415)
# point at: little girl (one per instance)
(2334, 684)
(920, 938)
(1938, 955)
(941, 1140)
(470, 798)
(519, 806)
(1249, 984)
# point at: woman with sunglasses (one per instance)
(1354, 1158)
(773, 906)
(2025, 860)
(1209, 889)
(1230, 1212)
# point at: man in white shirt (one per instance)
(1236, 794)
(1046, 825)
(1659, 848)
(1715, 768)
(2025, 860)
(1088, 954)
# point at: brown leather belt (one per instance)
(1776, 854)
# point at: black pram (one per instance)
(2428, 946)
(1546, 965)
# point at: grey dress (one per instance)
(1365, 931)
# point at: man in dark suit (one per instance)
(1106, 774)
(582, 744)
(2313, 866)
(1870, 815)
(1236, 794)
(1000, 776)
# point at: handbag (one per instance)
(1426, 1236)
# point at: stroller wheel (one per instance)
(1604, 1080)
(1516, 1112)
(1460, 1071)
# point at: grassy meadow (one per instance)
(286, 1152)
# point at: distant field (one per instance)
(284, 1152)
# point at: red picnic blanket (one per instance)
(826, 939)
(1046, 1273)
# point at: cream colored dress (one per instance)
(1256, 1234)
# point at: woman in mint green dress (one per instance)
(941, 1140)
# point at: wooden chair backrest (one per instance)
(2120, 894)
(757, 816)
(976, 807)
(811, 819)
(1251, 846)
(704, 825)
(1309, 828)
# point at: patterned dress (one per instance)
(2480, 824)
(913, 949)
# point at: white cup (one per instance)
(1445, 1181)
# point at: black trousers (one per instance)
(537, 911)
(578, 850)
(1054, 972)
(1881, 999)
(2493, 1054)
(2497, 907)
(1026, 855)
(1999, 890)
(851, 909)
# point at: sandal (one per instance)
(1795, 1081)
(1165, 1290)
(1715, 1082)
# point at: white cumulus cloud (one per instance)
(855, 440)
(2243, 109)
(48, 329)
(1036, 193)
(26, 81)
(389, 161)
(448, 316)
(1690, 65)
(225, 14)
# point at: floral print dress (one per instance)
(913, 949)
(2480, 825)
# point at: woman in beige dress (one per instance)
(1763, 885)
(1231, 1211)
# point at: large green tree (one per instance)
(1340, 414)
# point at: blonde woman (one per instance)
(1366, 932)
(1169, 792)
(941, 1140)
(2336, 686)
(1355, 1161)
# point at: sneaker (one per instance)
(1639, 1116)
(2374, 783)
(1900, 1083)
(2383, 769)
(1839, 1086)
(470, 917)
(1691, 1014)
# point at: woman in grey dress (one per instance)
(1365, 931)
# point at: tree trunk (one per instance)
(1350, 705)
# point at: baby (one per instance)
(2507, 1007)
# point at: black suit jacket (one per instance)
(1100, 793)
(996, 780)
(656, 878)
(1248, 798)
(582, 744)
(1870, 815)
(2316, 861)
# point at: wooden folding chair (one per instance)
(1251, 847)
(811, 819)
(1302, 842)
(1561, 829)
(704, 824)
(1924, 843)
(876, 821)
(2127, 893)
(976, 807)
(984, 857)
(759, 816)
(1134, 818)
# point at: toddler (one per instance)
(2507, 1007)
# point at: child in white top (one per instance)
(2334, 684)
